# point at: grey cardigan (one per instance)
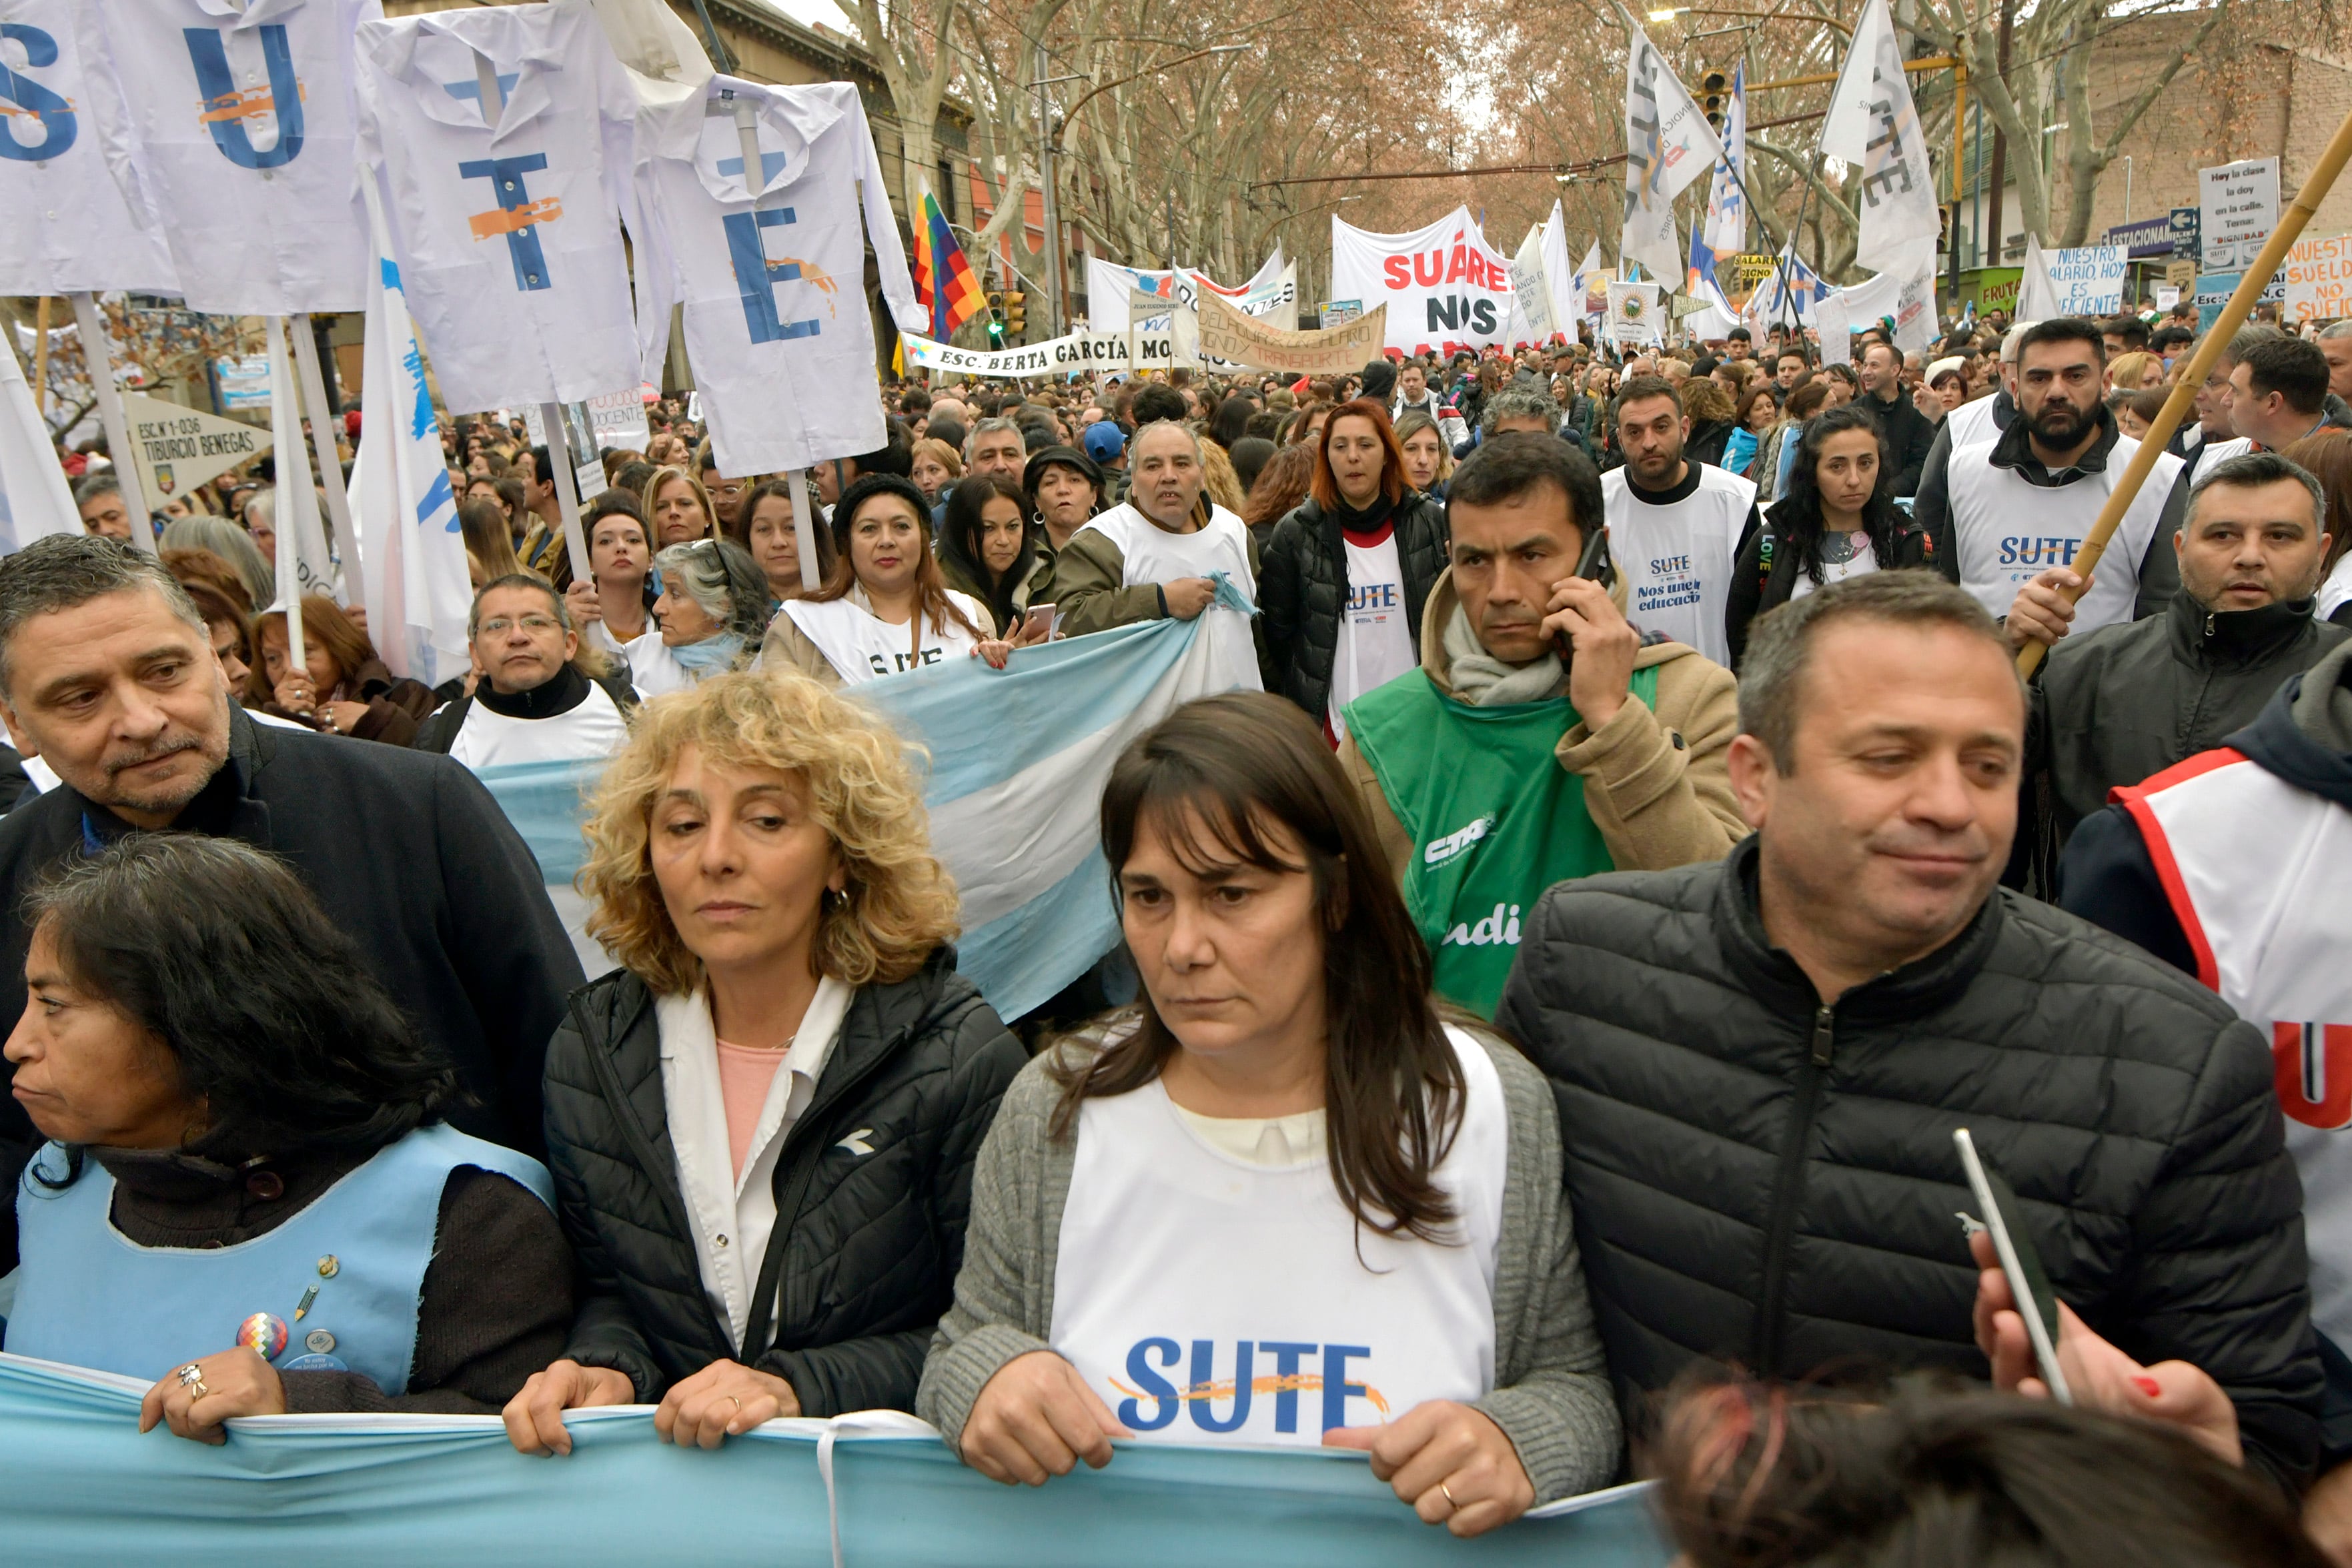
(1551, 1398)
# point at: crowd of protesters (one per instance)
(1559, 966)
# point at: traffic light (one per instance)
(1712, 88)
(995, 318)
(1016, 312)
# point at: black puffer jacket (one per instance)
(2128, 701)
(864, 1255)
(1761, 1178)
(1302, 588)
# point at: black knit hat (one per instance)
(1068, 457)
(1379, 378)
(866, 486)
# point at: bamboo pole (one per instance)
(2233, 315)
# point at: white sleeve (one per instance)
(109, 107)
(882, 232)
(654, 256)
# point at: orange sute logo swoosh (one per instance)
(499, 221)
(1223, 1388)
(252, 102)
(810, 273)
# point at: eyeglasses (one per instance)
(499, 626)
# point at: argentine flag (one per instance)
(1019, 758)
(546, 803)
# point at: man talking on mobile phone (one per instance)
(1542, 736)
(1759, 1066)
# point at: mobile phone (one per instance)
(2037, 1304)
(1594, 565)
(1036, 622)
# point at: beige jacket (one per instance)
(1657, 784)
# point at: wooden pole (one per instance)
(41, 358)
(2209, 350)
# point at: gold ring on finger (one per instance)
(1448, 1493)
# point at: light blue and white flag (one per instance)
(870, 1490)
(1019, 758)
(547, 802)
(419, 593)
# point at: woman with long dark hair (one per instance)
(248, 1191)
(1838, 520)
(1283, 1137)
(1343, 580)
(988, 544)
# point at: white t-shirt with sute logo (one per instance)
(1677, 552)
(1375, 643)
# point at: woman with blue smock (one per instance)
(248, 1193)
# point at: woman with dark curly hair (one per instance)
(248, 1176)
(762, 1126)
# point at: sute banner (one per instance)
(1445, 286)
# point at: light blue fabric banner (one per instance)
(79, 1485)
(546, 802)
(1019, 758)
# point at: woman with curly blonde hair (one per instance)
(762, 1127)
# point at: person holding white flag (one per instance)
(1668, 143)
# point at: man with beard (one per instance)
(1674, 527)
(2023, 502)
(107, 673)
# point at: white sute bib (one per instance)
(1677, 558)
(1211, 1299)
(592, 729)
(2259, 874)
(1375, 638)
(1154, 555)
(861, 646)
(2006, 532)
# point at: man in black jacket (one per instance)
(2118, 704)
(1760, 1063)
(107, 672)
(1908, 432)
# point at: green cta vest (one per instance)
(1494, 819)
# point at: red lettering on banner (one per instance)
(2314, 1070)
(1435, 272)
(1398, 270)
(1454, 271)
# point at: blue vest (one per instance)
(87, 1296)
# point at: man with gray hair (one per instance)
(2118, 704)
(1517, 409)
(107, 673)
(99, 497)
(1760, 1063)
(2335, 342)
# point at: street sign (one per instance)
(2184, 233)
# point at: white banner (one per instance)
(1532, 318)
(1561, 274)
(1108, 284)
(1079, 352)
(1633, 312)
(1445, 286)
(2088, 280)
